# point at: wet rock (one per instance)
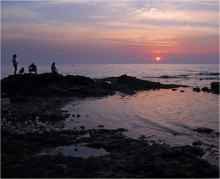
(54, 117)
(48, 84)
(100, 126)
(203, 130)
(217, 133)
(205, 89)
(143, 137)
(6, 111)
(215, 87)
(79, 80)
(78, 115)
(175, 133)
(214, 74)
(197, 143)
(166, 76)
(58, 101)
(18, 99)
(197, 89)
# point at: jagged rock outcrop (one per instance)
(48, 84)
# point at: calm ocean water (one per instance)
(162, 114)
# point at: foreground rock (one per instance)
(48, 84)
(28, 129)
(126, 157)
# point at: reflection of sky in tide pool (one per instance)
(163, 114)
(75, 151)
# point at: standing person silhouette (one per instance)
(15, 63)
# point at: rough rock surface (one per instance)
(215, 87)
(48, 84)
(127, 157)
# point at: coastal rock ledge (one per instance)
(48, 84)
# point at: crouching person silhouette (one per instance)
(54, 69)
(21, 71)
(32, 68)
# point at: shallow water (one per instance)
(162, 115)
(75, 151)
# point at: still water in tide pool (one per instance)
(163, 114)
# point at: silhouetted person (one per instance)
(15, 63)
(32, 68)
(54, 69)
(21, 71)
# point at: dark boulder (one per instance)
(197, 143)
(18, 99)
(79, 80)
(49, 78)
(166, 77)
(214, 74)
(203, 130)
(215, 87)
(205, 89)
(197, 89)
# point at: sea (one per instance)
(163, 115)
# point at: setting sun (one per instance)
(158, 58)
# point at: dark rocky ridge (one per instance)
(48, 84)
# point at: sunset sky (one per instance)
(72, 32)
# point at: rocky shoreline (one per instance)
(48, 85)
(31, 102)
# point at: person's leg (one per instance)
(15, 69)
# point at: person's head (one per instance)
(53, 63)
(14, 56)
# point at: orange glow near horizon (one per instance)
(157, 58)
